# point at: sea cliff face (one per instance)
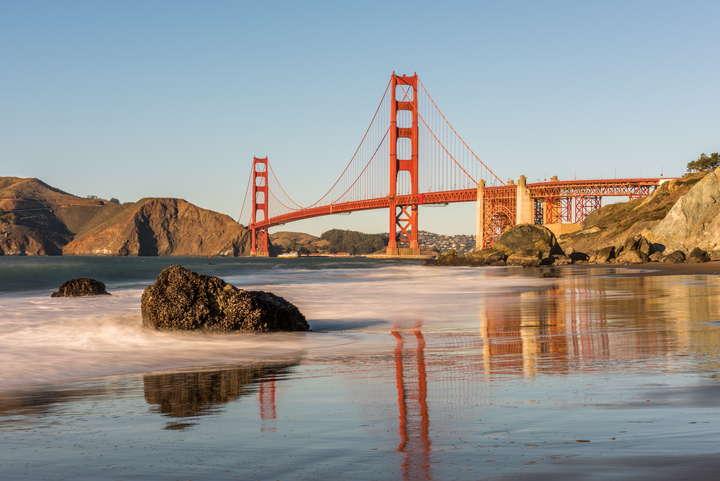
(37, 219)
(694, 220)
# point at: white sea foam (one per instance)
(44, 339)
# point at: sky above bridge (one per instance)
(136, 99)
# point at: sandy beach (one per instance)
(651, 269)
(605, 372)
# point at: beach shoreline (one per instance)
(651, 269)
(427, 373)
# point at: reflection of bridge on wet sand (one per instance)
(575, 325)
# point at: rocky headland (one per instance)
(678, 223)
(38, 219)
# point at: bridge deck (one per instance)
(542, 190)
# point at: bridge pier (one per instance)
(524, 203)
(511, 206)
(480, 216)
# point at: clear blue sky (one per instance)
(132, 99)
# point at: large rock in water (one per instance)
(181, 299)
(81, 287)
(693, 221)
(528, 240)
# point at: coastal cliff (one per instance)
(694, 220)
(38, 219)
(655, 217)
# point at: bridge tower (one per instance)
(403, 218)
(259, 206)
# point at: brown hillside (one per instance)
(42, 220)
(163, 227)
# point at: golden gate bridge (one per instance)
(410, 155)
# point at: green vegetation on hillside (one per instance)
(353, 242)
(704, 163)
(8, 217)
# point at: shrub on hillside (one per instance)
(704, 163)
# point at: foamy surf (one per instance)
(44, 339)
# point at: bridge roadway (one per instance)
(632, 188)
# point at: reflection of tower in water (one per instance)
(414, 424)
(267, 404)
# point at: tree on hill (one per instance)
(353, 242)
(704, 163)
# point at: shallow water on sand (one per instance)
(414, 373)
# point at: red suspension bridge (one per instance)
(410, 156)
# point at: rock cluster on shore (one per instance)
(524, 245)
(678, 222)
(181, 299)
(528, 245)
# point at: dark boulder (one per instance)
(495, 256)
(81, 287)
(674, 258)
(524, 239)
(521, 260)
(183, 300)
(576, 256)
(656, 256)
(561, 260)
(523, 245)
(637, 243)
(603, 255)
(698, 255)
(632, 256)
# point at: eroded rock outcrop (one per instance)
(81, 287)
(614, 223)
(184, 300)
(694, 220)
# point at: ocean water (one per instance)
(410, 372)
(50, 339)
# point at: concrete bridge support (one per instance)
(524, 209)
(480, 216)
(524, 204)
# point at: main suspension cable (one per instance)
(458, 135)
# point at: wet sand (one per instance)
(665, 269)
(605, 372)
